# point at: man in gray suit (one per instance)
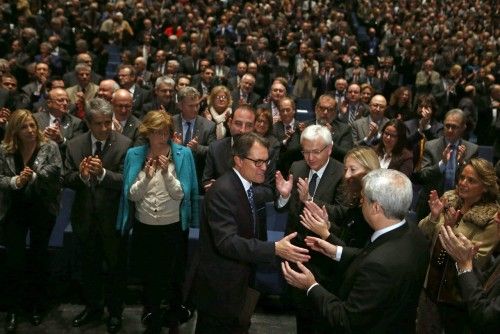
(123, 120)
(192, 130)
(443, 158)
(55, 122)
(366, 130)
(93, 169)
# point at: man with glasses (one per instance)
(140, 96)
(232, 242)
(366, 130)
(55, 121)
(316, 178)
(443, 158)
(326, 114)
(123, 120)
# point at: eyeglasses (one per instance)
(314, 152)
(259, 163)
(221, 97)
(390, 135)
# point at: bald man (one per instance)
(123, 120)
(107, 88)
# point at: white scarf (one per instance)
(220, 120)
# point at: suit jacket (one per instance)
(220, 160)
(185, 173)
(70, 127)
(47, 185)
(229, 248)
(375, 82)
(98, 202)
(480, 291)
(171, 108)
(253, 99)
(430, 175)
(140, 97)
(90, 92)
(361, 110)
(205, 131)
(289, 151)
(360, 129)
(131, 129)
(326, 194)
(381, 286)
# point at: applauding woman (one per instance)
(160, 180)
(30, 168)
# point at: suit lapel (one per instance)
(9, 158)
(324, 182)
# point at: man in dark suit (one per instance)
(191, 129)
(326, 114)
(382, 282)
(219, 157)
(36, 88)
(123, 120)
(93, 169)
(56, 123)
(352, 108)
(372, 80)
(232, 243)
(234, 81)
(325, 81)
(140, 96)
(70, 78)
(164, 98)
(366, 130)
(315, 178)
(442, 159)
(144, 77)
(244, 93)
(287, 131)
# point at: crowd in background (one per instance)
(415, 83)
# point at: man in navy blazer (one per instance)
(382, 282)
(232, 242)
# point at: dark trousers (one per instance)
(26, 271)
(104, 255)
(207, 324)
(156, 249)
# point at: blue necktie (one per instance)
(252, 206)
(187, 136)
(451, 169)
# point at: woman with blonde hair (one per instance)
(469, 209)
(160, 201)
(219, 110)
(349, 227)
(30, 170)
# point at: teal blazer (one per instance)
(186, 174)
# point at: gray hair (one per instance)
(313, 132)
(456, 112)
(188, 92)
(164, 80)
(391, 189)
(82, 66)
(97, 106)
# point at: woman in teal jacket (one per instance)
(160, 201)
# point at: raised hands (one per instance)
(285, 250)
(315, 219)
(461, 249)
(53, 132)
(24, 177)
(436, 205)
(150, 167)
(91, 166)
(303, 189)
(283, 186)
(322, 246)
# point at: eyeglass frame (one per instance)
(258, 163)
(314, 152)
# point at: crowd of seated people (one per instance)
(409, 85)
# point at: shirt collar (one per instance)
(320, 171)
(378, 233)
(245, 183)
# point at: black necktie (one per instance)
(312, 184)
(98, 149)
(187, 137)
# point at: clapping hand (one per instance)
(436, 205)
(177, 138)
(461, 154)
(315, 219)
(150, 167)
(322, 246)
(461, 249)
(372, 129)
(283, 186)
(303, 189)
(286, 250)
(24, 177)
